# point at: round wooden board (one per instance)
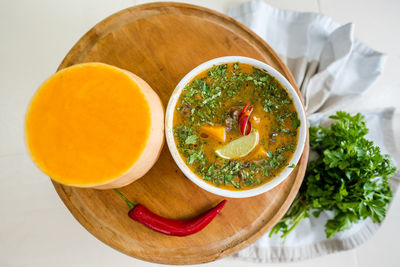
(161, 42)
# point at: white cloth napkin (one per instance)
(331, 68)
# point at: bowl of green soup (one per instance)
(235, 126)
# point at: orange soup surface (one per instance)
(207, 118)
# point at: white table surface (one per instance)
(36, 229)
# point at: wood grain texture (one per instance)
(161, 42)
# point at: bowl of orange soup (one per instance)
(235, 126)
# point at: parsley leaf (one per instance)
(191, 139)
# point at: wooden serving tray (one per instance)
(161, 42)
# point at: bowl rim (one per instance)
(179, 160)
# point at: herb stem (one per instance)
(299, 217)
(303, 203)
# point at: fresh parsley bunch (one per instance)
(350, 178)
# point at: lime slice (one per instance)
(240, 147)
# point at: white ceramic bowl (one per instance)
(180, 162)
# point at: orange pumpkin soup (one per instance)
(235, 126)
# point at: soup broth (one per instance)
(206, 118)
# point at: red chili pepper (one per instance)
(167, 226)
(243, 121)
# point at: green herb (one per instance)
(191, 139)
(296, 123)
(350, 178)
(292, 166)
(195, 155)
(288, 132)
(182, 132)
(286, 101)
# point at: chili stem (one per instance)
(130, 204)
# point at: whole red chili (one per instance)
(243, 121)
(167, 226)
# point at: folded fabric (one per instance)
(331, 68)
